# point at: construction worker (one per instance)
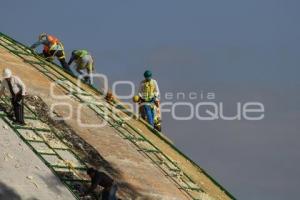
(17, 92)
(84, 61)
(149, 94)
(52, 48)
(102, 179)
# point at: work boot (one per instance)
(17, 123)
(87, 80)
(157, 127)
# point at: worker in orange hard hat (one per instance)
(52, 48)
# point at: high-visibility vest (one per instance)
(149, 88)
(52, 41)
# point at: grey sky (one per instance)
(241, 50)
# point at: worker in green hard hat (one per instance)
(149, 97)
(84, 61)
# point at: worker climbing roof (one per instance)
(52, 48)
(50, 42)
(84, 62)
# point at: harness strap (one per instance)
(10, 88)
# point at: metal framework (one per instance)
(49, 147)
(105, 111)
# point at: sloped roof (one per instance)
(144, 161)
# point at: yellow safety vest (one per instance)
(149, 88)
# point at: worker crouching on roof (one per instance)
(17, 91)
(102, 179)
(84, 61)
(52, 48)
(149, 97)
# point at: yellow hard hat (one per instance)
(136, 98)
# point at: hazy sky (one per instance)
(240, 50)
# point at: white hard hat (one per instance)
(6, 73)
(42, 36)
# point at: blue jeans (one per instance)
(149, 112)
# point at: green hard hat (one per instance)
(148, 74)
(80, 53)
